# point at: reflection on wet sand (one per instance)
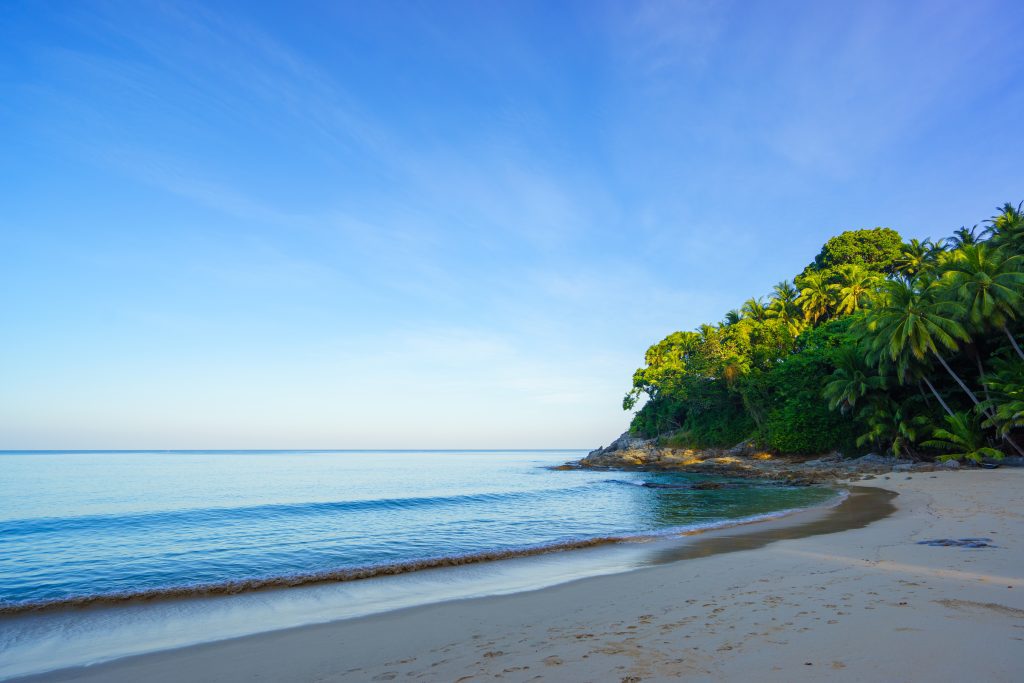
(862, 507)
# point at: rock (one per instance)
(948, 465)
(743, 461)
(742, 450)
(625, 442)
(708, 485)
(830, 459)
(625, 451)
(1013, 461)
(872, 459)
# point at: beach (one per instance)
(866, 603)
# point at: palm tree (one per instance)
(912, 322)
(962, 439)
(888, 428)
(990, 285)
(851, 380)
(754, 309)
(817, 295)
(732, 317)
(785, 291)
(909, 323)
(916, 257)
(784, 309)
(1007, 386)
(1007, 227)
(857, 285)
(962, 237)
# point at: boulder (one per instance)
(872, 459)
(743, 449)
(625, 442)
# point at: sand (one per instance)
(864, 604)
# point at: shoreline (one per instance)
(868, 603)
(395, 569)
(107, 631)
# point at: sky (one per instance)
(447, 224)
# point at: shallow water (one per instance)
(110, 511)
(45, 640)
(79, 526)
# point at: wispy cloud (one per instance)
(475, 216)
(664, 38)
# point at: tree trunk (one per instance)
(938, 397)
(981, 375)
(1014, 342)
(1009, 439)
(1006, 437)
(957, 378)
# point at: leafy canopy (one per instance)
(875, 248)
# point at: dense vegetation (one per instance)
(909, 348)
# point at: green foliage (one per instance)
(722, 421)
(829, 335)
(893, 427)
(817, 297)
(989, 282)
(857, 287)
(1007, 227)
(867, 348)
(962, 439)
(660, 415)
(876, 249)
(665, 366)
(852, 379)
(911, 321)
(796, 418)
(917, 257)
(714, 430)
(1006, 391)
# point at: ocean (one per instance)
(110, 530)
(79, 526)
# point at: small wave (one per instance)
(226, 514)
(702, 484)
(376, 570)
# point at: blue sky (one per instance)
(426, 224)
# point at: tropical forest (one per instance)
(908, 348)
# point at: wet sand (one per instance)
(793, 599)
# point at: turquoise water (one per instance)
(80, 525)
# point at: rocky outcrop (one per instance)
(625, 451)
(747, 461)
(625, 442)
